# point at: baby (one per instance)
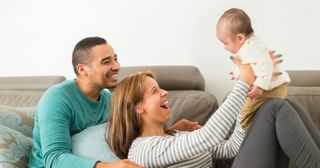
(234, 30)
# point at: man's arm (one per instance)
(54, 117)
(117, 164)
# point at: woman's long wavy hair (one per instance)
(124, 122)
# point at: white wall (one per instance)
(37, 36)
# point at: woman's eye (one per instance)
(155, 91)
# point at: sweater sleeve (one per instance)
(229, 148)
(158, 152)
(54, 122)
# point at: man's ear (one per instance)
(241, 37)
(82, 69)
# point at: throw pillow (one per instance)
(14, 148)
(91, 144)
(18, 118)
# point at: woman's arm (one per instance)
(163, 151)
(229, 148)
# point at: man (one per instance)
(74, 105)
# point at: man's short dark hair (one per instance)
(82, 51)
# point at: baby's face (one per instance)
(230, 41)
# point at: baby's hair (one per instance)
(237, 21)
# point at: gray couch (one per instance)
(187, 99)
(19, 96)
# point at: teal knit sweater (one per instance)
(63, 111)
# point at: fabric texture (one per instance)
(286, 131)
(252, 104)
(25, 91)
(18, 118)
(18, 98)
(14, 148)
(192, 105)
(199, 147)
(171, 77)
(309, 99)
(256, 53)
(63, 111)
(91, 144)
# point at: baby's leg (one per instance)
(249, 110)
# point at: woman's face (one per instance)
(154, 106)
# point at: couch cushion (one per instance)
(14, 148)
(192, 105)
(18, 118)
(18, 98)
(35, 83)
(304, 77)
(91, 144)
(25, 91)
(171, 77)
(309, 99)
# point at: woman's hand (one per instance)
(185, 125)
(118, 164)
(276, 60)
(246, 72)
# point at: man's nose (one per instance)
(115, 65)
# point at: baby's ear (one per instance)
(241, 37)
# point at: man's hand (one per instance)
(185, 125)
(118, 164)
(255, 91)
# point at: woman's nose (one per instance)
(164, 93)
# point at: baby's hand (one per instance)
(255, 91)
(232, 76)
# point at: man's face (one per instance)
(104, 67)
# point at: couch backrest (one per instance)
(304, 89)
(171, 77)
(23, 91)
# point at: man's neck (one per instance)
(87, 89)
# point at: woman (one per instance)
(139, 111)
